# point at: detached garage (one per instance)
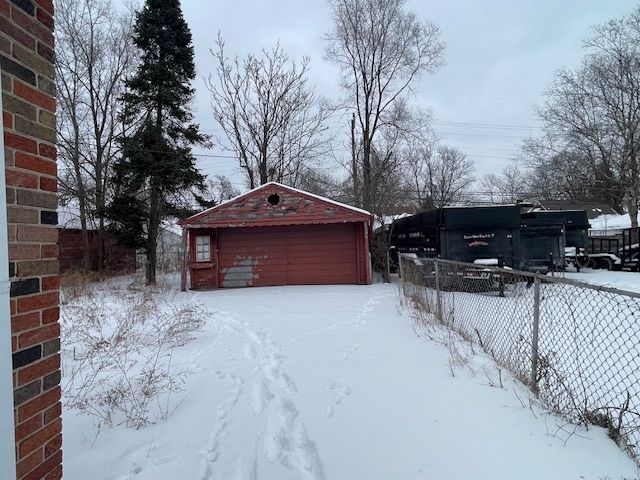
(278, 235)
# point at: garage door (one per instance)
(288, 255)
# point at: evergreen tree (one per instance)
(157, 163)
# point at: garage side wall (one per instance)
(364, 257)
(26, 58)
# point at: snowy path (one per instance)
(332, 383)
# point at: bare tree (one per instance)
(510, 186)
(270, 116)
(442, 178)
(94, 54)
(381, 49)
(216, 190)
(556, 171)
(320, 182)
(593, 112)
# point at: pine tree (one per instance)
(157, 164)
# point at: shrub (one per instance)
(118, 347)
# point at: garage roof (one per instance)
(276, 204)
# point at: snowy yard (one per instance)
(336, 383)
(629, 281)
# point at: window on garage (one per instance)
(203, 248)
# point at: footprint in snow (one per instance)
(260, 396)
(286, 441)
(247, 465)
(225, 409)
(249, 351)
(350, 349)
(341, 392)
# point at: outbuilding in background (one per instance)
(278, 235)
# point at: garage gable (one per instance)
(276, 204)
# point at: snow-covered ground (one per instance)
(629, 281)
(336, 383)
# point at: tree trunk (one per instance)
(86, 254)
(633, 209)
(264, 178)
(354, 163)
(367, 199)
(100, 240)
(100, 207)
(82, 206)
(152, 235)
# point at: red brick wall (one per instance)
(116, 259)
(26, 58)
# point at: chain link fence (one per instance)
(576, 345)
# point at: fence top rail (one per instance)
(542, 278)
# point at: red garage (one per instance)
(277, 235)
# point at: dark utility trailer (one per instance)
(576, 227)
(466, 234)
(542, 243)
(620, 250)
(471, 234)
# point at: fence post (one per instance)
(534, 334)
(438, 299)
(184, 261)
(402, 280)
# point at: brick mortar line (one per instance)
(26, 170)
(39, 140)
(15, 23)
(33, 52)
(30, 68)
(37, 120)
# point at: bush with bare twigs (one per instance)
(118, 347)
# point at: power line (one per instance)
(473, 155)
(492, 126)
(479, 134)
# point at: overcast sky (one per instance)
(500, 57)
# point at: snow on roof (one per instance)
(451, 207)
(286, 187)
(388, 219)
(610, 222)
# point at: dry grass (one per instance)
(118, 343)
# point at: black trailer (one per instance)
(543, 242)
(576, 227)
(472, 234)
(619, 250)
(576, 224)
(466, 234)
(419, 234)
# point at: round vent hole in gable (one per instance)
(274, 199)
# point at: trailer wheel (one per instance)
(605, 263)
(582, 261)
